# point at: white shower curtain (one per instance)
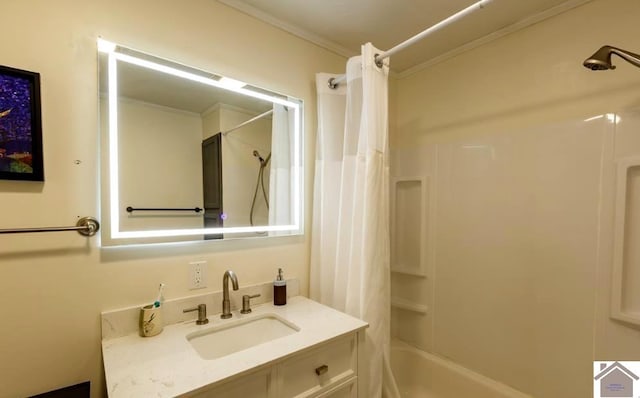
(280, 203)
(350, 233)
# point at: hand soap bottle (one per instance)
(279, 289)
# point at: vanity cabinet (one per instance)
(328, 370)
(318, 359)
(254, 385)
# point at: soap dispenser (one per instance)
(279, 289)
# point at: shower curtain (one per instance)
(350, 232)
(280, 204)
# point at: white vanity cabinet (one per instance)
(327, 370)
(318, 357)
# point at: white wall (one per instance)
(210, 122)
(54, 287)
(522, 220)
(160, 164)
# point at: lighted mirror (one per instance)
(191, 155)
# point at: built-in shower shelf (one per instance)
(408, 271)
(404, 304)
(625, 298)
(409, 210)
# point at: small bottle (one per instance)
(279, 289)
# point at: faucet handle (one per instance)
(202, 313)
(246, 304)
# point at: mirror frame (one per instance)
(111, 49)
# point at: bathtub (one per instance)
(420, 374)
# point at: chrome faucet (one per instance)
(226, 304)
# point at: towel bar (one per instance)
(132, 209)
(86, 226)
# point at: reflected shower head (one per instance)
(263, 161)
(601, 59)
(257, 154)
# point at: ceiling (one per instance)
(343, 25)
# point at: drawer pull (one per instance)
(320, 370)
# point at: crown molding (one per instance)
(221, 105)
(287, 27)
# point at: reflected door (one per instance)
(212, 183)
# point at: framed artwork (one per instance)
(20, 125)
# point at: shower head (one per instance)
(257, 154)
(601, 59)
(263, 161)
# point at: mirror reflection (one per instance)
(194, 155)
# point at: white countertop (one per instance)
(167, 365)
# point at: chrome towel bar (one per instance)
(86, 226)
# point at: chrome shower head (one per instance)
(601, 59)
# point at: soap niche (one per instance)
(409, 225)
(625, 298)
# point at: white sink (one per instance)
(239, 335)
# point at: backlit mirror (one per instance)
(192, 155)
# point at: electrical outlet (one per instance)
(197, 275)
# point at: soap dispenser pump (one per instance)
(279, 289)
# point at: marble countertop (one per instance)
(167, 365)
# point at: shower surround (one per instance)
(515, 226)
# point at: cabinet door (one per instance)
(256, 385)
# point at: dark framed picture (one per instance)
(20, 125)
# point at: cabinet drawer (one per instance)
(321, 369)
(255, 385)
(345, 390)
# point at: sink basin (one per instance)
(239, 335)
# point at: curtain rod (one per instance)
(253, 119)
(335, 81)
